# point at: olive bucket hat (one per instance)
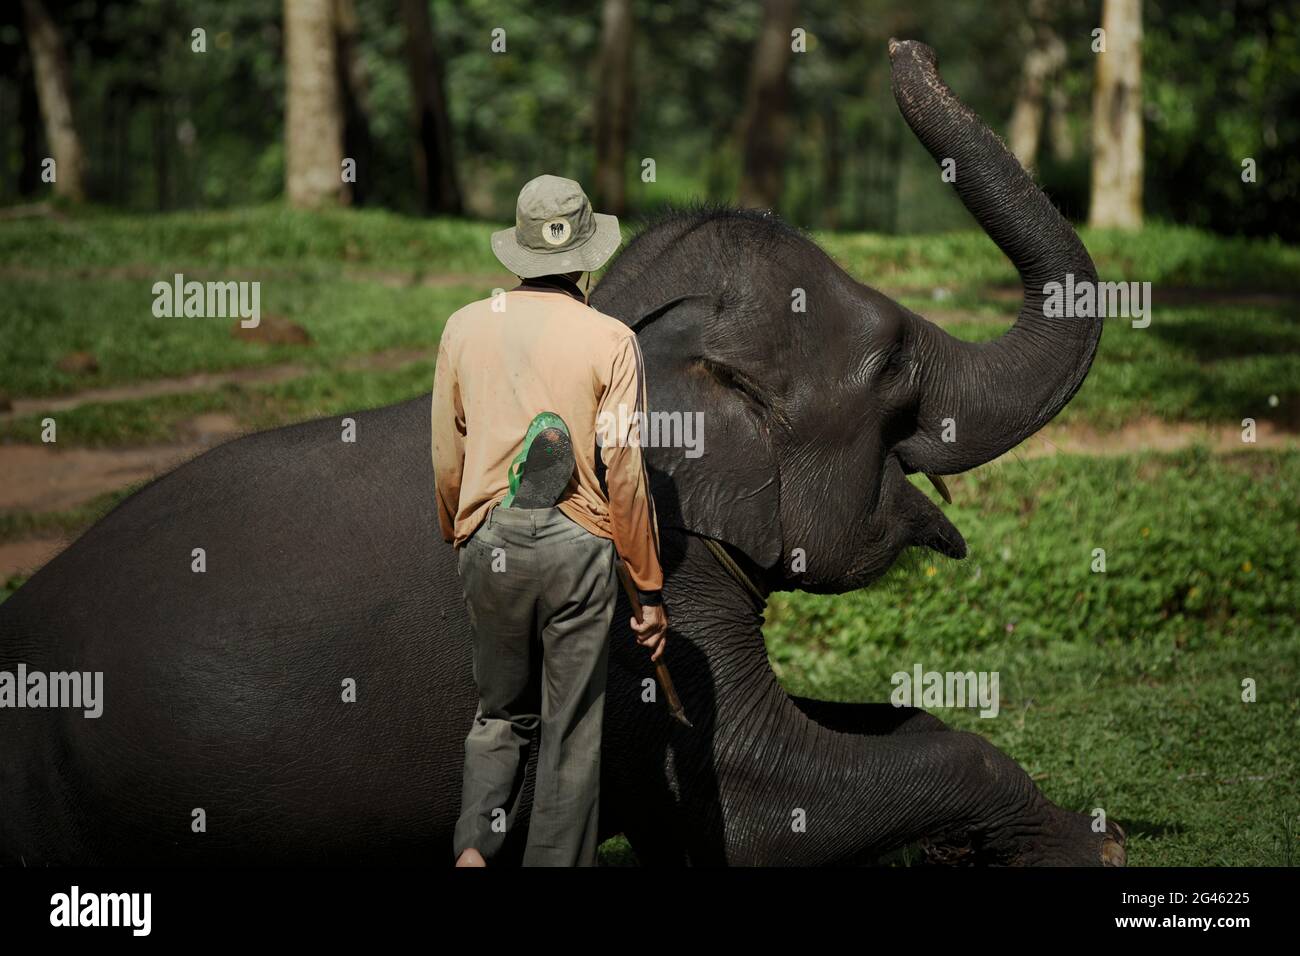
(555, 231)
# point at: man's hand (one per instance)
(652, 630)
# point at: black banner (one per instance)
(923, 906)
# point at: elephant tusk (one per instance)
(940, 487)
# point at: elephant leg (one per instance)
(988, 810)
(822, 796)
(1055, 829)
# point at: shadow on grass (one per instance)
(1151, 829)
(1211, 338)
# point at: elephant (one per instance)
(305, 699)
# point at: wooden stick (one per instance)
(661, 669)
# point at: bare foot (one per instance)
(471, 857)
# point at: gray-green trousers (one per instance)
(540, 594)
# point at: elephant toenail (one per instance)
(1112, 853)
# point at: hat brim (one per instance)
(587, 257)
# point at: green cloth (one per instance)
(514, 475)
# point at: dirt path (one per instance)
(27, 557)
(48, 478)
(203, 382)
(1153, 434)
(44, 478)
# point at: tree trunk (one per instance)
(54, 90)
(766, 124)
(354, 87)
(314, 124)
(435, 167)
(1044, 57)
(29, 126)
(1117, 120)
(613, 106)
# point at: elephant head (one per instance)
(820, 395)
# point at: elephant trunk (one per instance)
(979, 400)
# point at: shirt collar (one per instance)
(554, 283)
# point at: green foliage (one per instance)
(1221, 82)
(48, 320)
(166, 127)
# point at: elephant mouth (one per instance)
(905, 557)
(930, 527)
(943, 536)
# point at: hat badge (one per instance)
(556, 231)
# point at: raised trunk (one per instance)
(435, 168)
(314, 114)
(54, 90)
(977, 401)
(613, 106)
(765, 127)
(1117, 120)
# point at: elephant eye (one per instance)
(896, 361)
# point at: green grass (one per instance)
(254, 407)
(1212, 364)
(269, 237)
(15, 525)
(265, 237)
(113, 320)
(1161, 254)
(10, 585)
(1119, 689)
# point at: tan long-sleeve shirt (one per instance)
(543, 351)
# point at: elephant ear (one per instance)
(727, 486)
